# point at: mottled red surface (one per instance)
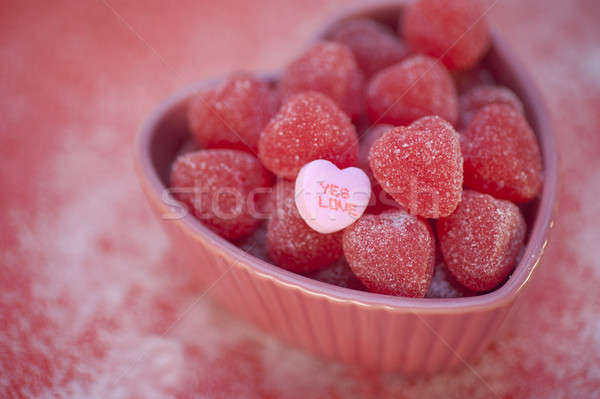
(402, 161)
(233, 115)
(308, 126)
(329, 68)
(219, 186)
(93, 300)
(481, 240)
(374, 45)
(501, 155)
(291, 243)
(418, 86)
(406, 271)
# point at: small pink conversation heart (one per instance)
(330, 199)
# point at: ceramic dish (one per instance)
(370, 330)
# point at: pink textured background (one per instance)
(93, 302)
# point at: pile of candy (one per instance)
(444, 217)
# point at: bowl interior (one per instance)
(167, 131)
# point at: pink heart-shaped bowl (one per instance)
(380, 332)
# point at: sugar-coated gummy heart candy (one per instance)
(233, 115)
(478, 97)
(444, 285)
(340, 274)
(420, 166)
(455, 31)
(391, 253)
(291, 243)
(329, 68)
(501, 154)
(380, 200)
(416, 87)
(373, 44)
(481, 240)
(308, 126)
(221, 188)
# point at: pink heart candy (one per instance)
(330, 199)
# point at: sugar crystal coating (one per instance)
(380, 200)
(340, 274)
(373, 44)
(391, 253)
(455, 31)
(481, 240)
(308, 126)
(291, 243)
(478, 97)
(234, 114)
(416, 87)
(329, 68)
(501, 154)
(444, 285)
(221, 188)
(420, 166)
